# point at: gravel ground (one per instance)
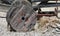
(5, 32)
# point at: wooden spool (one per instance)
(21, 16)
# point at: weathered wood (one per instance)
(21, 16)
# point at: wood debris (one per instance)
(44, 22)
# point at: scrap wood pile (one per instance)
(47, 23)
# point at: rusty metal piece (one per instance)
(21, 16)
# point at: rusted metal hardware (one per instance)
(48, 13)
